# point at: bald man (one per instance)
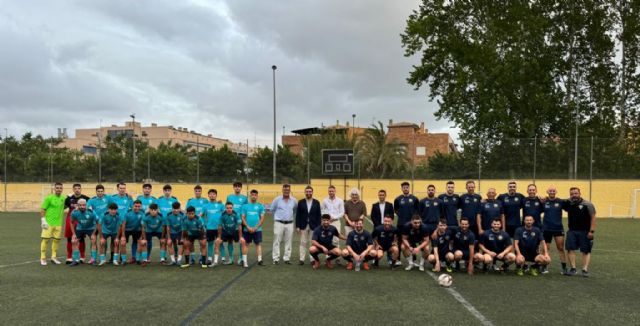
(490, 210)
(552, 228)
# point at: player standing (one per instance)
(431, 209)
(552, 227)
(146, 198)
(490, 210)
(471, 204)
(70, 205)
(51, 212)
(512, 202)
(582, 227)
(237, 199)
(533, 206)
(99, 203)
(212, 212)
(450, 205)
(252, 219)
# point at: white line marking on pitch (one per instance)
(483, 320)
(18, 264)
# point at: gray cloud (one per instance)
(206, 65)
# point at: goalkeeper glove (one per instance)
(43, 223)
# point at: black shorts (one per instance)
(387, 248)
(578, 240)
(226, 237)
(529, 256)
(196, 237)
(465, 254)
(135, 235)
(368, 257)
(511, 230)
(212, 235)
(149, 235)
(107, 236)
(255, 237)
(476, 230)
(550, 235)
(176, 238)
(81, 234)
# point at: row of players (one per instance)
(430, 209)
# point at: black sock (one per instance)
(315, 256)
(564, 265)
(348, 258)
(332, 257)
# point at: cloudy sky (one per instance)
(206, 65)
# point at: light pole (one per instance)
(133, 140)
(6, 135)
(274, 122)
(197, 159)
(99, 153)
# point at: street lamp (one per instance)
(274, 122)
(6, 135)
(133, 139)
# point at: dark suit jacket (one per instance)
(305, 217)
(376, 218)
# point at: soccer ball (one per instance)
(445, 280)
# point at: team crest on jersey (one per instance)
(500, 237)
(524, 235)
(355, 238)
(495, 205)
(580, 206)
(517, 199)
(537, 204)
(411, 200)
(533, 234)
(435, 204)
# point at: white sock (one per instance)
(209, 258)
(421, 261)
(410, 259)
(173, 258)
(259, 257)
(244, 258)
(215, 259)
(179, 258)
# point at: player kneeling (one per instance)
(109, 229)
(192, 232)
(322, 242)
(85, 226)
(441, 248)
(359, 248)
(464, 246)
(528, 241)
(385, 238)
(415, 241)
(495, 245)
(152, 226)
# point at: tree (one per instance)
(379, 155)
(220, 165)
(288, 166)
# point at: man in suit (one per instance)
(381, 209)
(308, 216)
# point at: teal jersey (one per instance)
(229, 223)
(252, 213)
(124, 203)
(165, 205)
(146, 201)
(86, 220)
(133, 220)
(211, 213)
(110, 223)
(198, 204)
(193, 226)
(237, 201)
(98, 205)
(152, 224)
(174, 222)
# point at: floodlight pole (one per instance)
(274, 122)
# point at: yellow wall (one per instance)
(611, 197)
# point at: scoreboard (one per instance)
(337, 162)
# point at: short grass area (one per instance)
(283, 294)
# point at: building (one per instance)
(420, 143)
(87, 140)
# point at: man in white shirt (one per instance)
(283, 209)
(334, 206)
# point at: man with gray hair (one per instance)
(283, 209)
(354, 210)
